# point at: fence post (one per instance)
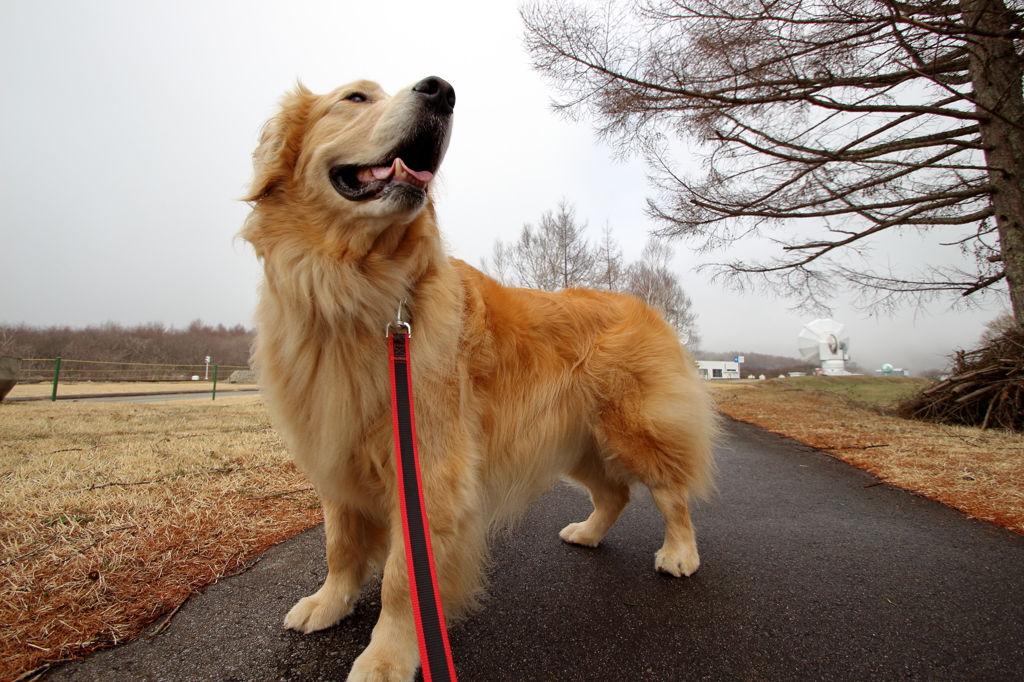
(215, 367)
(56, 375)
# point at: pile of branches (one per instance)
(985, 388)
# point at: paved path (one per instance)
(145, 397)
(165, 397)
(807, 575)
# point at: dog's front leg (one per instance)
(393, 652)
(354, 542)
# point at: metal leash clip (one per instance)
(398, 323)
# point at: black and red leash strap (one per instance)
(431, 632)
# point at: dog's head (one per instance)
(356, 153)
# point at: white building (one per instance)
(718, 369)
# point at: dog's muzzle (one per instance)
(411, 166)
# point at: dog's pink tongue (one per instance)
(399, 170)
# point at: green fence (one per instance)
(64, 371)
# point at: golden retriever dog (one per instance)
(514, 388)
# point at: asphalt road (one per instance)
(165, 397)
(151, 397)
(807, 574)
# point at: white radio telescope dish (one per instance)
(826, 343)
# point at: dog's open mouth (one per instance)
(413, 164)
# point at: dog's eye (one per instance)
(356, 97)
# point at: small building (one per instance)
(890, 371)
(718, 369)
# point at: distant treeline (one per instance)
(155, 343)
(145, 343)
(758, 363)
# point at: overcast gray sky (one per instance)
(127, 127)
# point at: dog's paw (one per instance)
(371, 668)
(579, 534)
(677, 563)
(317, 612)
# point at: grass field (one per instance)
(111, 514)
(862, 389)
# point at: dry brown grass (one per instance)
(112, 514)
(978, 472)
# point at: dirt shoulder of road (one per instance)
(978, 472)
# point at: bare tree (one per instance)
(651, 280)
(533, 260)
(10, 343)
(551, 256)
(500, 263)
(822, 124)
(556, 255)
(1000, 326)
(609, 270)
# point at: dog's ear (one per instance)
(280, 141)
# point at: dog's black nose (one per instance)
(439, 93)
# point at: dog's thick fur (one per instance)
(514, 388)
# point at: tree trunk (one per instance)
(996, 69)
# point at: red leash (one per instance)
(431, 632)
